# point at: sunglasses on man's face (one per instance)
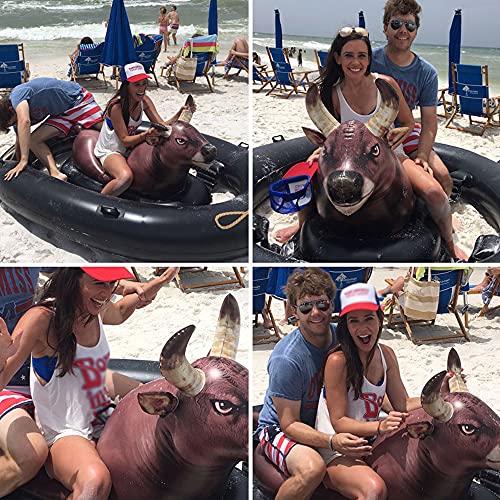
(349, 30)
(307, 307)
(395, 24)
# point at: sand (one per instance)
(223, 113)
(419, 362)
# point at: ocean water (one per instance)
(437, 55)
(56, 23)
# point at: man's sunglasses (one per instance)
(307, 307)
(349, 30)
(411, 26)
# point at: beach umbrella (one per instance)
(361, 19)
(277, 29)
(454, 44)
(212, 18)
(118, 45)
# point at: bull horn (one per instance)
(227, 334)
(176, 368)
(186, 113)
(318, 113)
(454, 365)
(432, 402)
(380, 122)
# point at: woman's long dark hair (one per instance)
(61, 293)
(120, 97)
(355, 372)
(332, 72)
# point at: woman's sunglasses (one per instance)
(349, 30)
(307, 307)
(411, 26)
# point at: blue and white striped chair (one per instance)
(87, 63)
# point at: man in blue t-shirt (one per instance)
(418, 80)
(286, 423)
(63, 104)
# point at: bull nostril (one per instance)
(209, 152)
(345, 186)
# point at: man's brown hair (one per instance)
(6, 113)
(309, 281)
(403, 7)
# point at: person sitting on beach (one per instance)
(358, 373)
(256, 59)
(123, 116)
(286, 423)
(348, 90)
(418, 80)
(173, 24)
(240, 49)
(86, 43)
(61, 104)
(69, 380)
(163, 22)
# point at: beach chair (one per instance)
(321, 56)
(148, 48)
(285, 77)
(14, 70)
(237, 63)
(185, 285)
(445, 100)
(343, 277)
(451, 286)
(261, 77)
(471, 97)
(260, 301)
(204, 49)
(87, 63)
(492, 290)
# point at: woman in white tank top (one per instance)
(69, 379)
(358, 374)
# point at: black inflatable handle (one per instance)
(243, 145)
(109, 212)
(278, 138)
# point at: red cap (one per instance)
(108, 273)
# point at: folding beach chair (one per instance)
(488, 292)
(321, 56)
(204, 49)
(87, 63)
(148, 48)
(285, 76)
(185, 285)
(471, 97)
(451, 286)
(13, 68)
(261, 77)
(343, 277)
(260, 301)
(237, 63)
(445, 100)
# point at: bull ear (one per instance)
(157, 403)
(314, 136)
(420, 430)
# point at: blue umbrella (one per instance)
(118, 45)
(454, 45)
(277, 29)
(212, 18)
(361, 19)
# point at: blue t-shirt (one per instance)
(46, 97)
(17, 290)
(296, 373)
(418, 81)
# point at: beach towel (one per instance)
(487, 292)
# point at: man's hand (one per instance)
(351, 445)
(8, 345)
(425, 165)
(14, 172)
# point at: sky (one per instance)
(480, 19)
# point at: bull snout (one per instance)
(345, 187)
(209, 152)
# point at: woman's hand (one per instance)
(392, 423)
(314, 156)
(152, 136)
(8, 345)
(351, 445)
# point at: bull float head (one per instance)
(352, 147)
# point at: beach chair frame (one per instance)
(238, 64)
(488, 106)
(261, 77)
(87, 58)
(286, 77)
(149, 57)
(259, 287)
(320, 56)
(237, 280)
(447, 103)
(485, 309)
(452, 307)
(168, 72)
(12, 67)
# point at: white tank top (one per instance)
(67, 405)
(366, 407)
(108, 141)
(347, 113)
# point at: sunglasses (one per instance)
(349, 30)
(411, 26)
(307, 307)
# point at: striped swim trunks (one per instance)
(86, 113)
(9, 400)
(410, 144)
(276, 446)
(173, 27)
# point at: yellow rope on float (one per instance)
(242, 215)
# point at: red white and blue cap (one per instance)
(108, 273)
(133, 72)
(360, 296)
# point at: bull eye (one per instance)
(180, 141)
(223, 406)
(375, 151)
(468, 429)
